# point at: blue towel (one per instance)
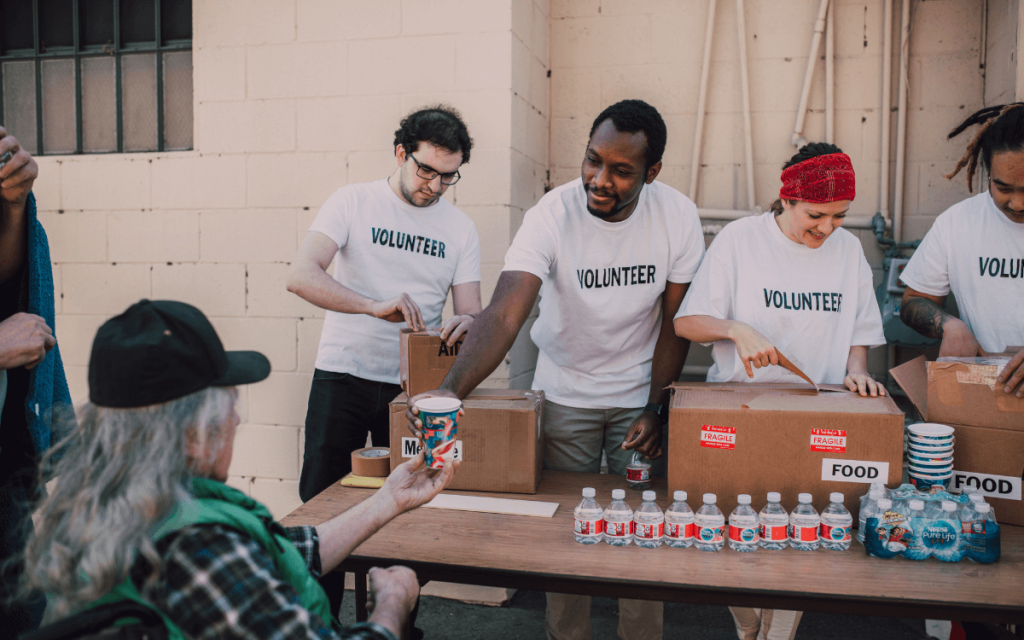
(48, 395)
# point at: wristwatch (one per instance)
(655, 407)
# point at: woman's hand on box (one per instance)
(644, 435)
(412, 413)
(752, 347)
(864, 384)
(1012, 375)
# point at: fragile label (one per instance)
(1007, 487)
(412, 446)
(866, 471)
(717, 437)
(833, 440)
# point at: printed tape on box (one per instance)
(1006, 487)
(717, 437)
(412, 446)
(832, 440)
(866, 471)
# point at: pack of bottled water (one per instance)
(937, 524)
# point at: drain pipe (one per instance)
(883, 177)
(830, 74)
(901, 124)
(798, 139)
(698, 135)
(748, 143)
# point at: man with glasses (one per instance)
(398, 247)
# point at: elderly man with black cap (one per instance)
(140, 511)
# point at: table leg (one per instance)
(360, 596)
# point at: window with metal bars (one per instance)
(96, 76)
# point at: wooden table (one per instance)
(540, 554)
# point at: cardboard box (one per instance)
(426, 359)
(960, 393)
(991, 460)
(729, 439)
(500, 440)
(988, 456)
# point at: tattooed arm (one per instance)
(923, 313)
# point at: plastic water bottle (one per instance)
(618, 520)
(836, 522)
(743, 526)
(918, 520)
(709, 525)
(648, 523)
(982, 543)
(638, 472)
(868, 507)
(589, 517)
(679, 522)
(975, 497)
(943, 536)
(803, 525)
(773, 524)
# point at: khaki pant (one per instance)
(765, 624)
(573, 441)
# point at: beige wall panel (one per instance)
(493, 224)
(47, 187)
(486, 113)
(265, 451)
(584, 42)
(429, 17)
(256, 126)
(153, 236)
(388, 66)
(948, 26)
(85, 180)
(948, 81)
(485, 180)
(298, 70)
(281, 497)
(219, 74)
(203, 182)
(58, 288)
(293, 180)
(103, 289)
(267, 297)
(273, 337)
(78, 382)
(482, 61)
(281, 399)
(75, 336)
(249, 235)
(330, 20)
(366, 166)
(325, 124)
(76, 237)
(574, 8)
(216, 289)
(575, 92)
(309, 340)
(936, 193)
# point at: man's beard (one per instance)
(408, 195)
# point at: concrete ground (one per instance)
(523, 617)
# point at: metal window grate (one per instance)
(97, 76)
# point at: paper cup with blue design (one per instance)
(440, 418)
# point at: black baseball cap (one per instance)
(162, 350)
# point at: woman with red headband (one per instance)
(790, 280)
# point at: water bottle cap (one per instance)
(835, 496)
(618, 494)
(589, 492)
(975, 497)
(884, 503)
(679, 496)
(743, 498)
(916, 505)
(983, 507)
(948, 505)
(648, 496)
(804, 498)
(774, 496)
(710, 498)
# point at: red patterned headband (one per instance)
(819, 179)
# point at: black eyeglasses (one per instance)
(429, 174)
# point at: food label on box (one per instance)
(866, 471)
(412, 446)
(717, 437)
(833, 440)
(1007, 487)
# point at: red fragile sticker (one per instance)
(833, 440)
(717, 437)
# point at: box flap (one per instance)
(831, 403)
(488, 398)
(912, 377)
(776, 397)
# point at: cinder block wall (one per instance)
(293, 99)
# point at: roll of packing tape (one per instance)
(372, 462)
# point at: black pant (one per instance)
(342, 409)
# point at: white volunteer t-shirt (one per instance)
(975, 250)
(811, 304)
(600, 307)
(387, 247)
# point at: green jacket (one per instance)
(218, 503)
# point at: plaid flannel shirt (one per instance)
(217, 583)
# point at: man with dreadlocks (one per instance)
(976, 250)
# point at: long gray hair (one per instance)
(121, 472)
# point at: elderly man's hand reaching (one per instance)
(412, 483)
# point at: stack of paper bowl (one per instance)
(930, 454)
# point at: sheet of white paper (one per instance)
(493, 505)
